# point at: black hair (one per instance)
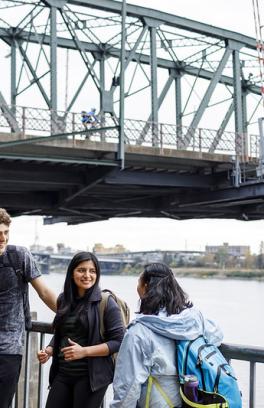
(69, 298)
(162, 291)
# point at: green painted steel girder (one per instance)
(169, 19)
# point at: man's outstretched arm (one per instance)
(45, 293)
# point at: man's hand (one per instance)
(74, 351)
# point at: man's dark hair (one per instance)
(4, 217)
(162, 291)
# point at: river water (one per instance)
(237, 305)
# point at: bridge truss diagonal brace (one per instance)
(9, 115)
(33, 73)
(207, 96)
(129, 56)
(161, 98)
(221, 130)
(80, 48)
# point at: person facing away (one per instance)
(17, 269)
(82, 366)
(149, 348)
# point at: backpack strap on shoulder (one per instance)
(102, 307)
(15, 261)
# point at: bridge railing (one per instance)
(39, 122)
(251, 355)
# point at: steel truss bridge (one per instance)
(178, 108)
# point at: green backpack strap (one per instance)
(190, 404)
(151, 381)
(102, 307)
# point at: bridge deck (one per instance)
(76, 178)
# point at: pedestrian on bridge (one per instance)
(89, 119)
(82, 366)
(17, 270)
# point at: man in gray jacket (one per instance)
(17, 269)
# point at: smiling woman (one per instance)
(84, 276)
(82, 366)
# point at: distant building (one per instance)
(176, 257)
(101, 249)
(231, 250)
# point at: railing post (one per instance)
(200, 139)
(73, 127)
(27, 371)
(245, 147)
(40, 372)
(155, 136)
(23, 120)
(252, 384)
(73, 122)
(102, 124)
(178, 137)
(161, 136)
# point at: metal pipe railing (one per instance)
(246, 353)
(38, 121)
(253, 355)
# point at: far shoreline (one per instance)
(203, 273)
(219, 274)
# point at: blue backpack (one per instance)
(217, 382)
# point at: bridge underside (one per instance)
(85, 183)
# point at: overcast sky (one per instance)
(147, 234)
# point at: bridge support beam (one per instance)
(13, 75)
(154, 85)
(207, 96)
(178, 103)
(53, 58)
(121, 141)
(239, 135)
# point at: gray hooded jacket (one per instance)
(149, 348)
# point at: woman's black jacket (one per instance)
(100, 369)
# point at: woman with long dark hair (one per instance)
(82, 366)
(148, 348)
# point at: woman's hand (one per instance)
(45, 354)
(74, 351)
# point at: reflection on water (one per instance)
(235, 304)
